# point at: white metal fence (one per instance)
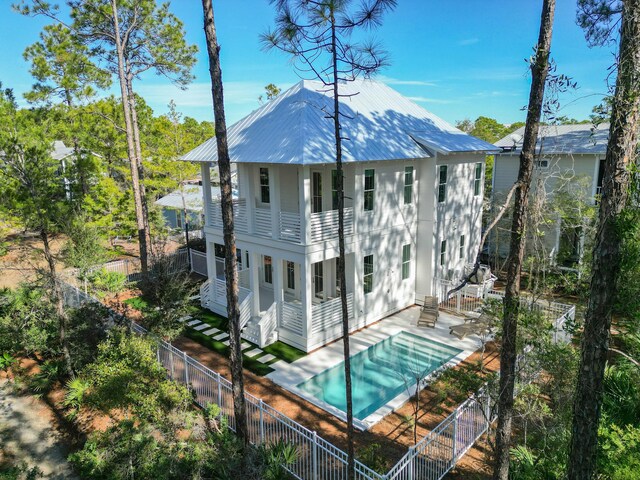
(199, 262)
(430, 459)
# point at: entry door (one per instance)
(316, 192)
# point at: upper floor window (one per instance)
(443, 251)
(369, 189)
(442, 183)
(291, 275)
(408, 185)
(268, 270)
(406, 261)
(316, 192)
(461, 247)
(334, 189)
(367, 279)
(477, 181)
(264, 185)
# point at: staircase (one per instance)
(262, 330)
(205, 294)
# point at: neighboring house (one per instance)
(64, 155)
(188, 198)
(569, 159)
(413, 207)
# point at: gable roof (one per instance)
(380, 124)
(562, 139)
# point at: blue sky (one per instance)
(459, 59)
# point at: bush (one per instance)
(108, 282)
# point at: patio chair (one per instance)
(429, 312)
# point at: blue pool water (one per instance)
(380, 373)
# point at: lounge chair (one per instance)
(473, 326)
(429, 312)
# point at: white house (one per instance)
(413, 187)
(567, 155)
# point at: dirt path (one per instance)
(27, 435)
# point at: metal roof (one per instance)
(562, 139)
(193, 198)
(380, 124)
(60, 150)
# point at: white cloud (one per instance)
(431, 100)
(396, 81)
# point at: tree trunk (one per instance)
(131, 148)
(621, 154)
(341, 258)
(539, 70)
(58, 300)
(230, 267)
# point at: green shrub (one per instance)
(108, 282)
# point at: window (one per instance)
(443, 251)
(334, 189)
(406, 261)
(369, 189)
(316, 192)
(268, 270)
(600, 177)
(178, 219)
(291, 275)
(542, 164)
(477, 181)
(318, 280)
(408, 185)
(461, 247)
(264, 185)
(367, 280)
(442, 183)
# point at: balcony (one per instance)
(323, 225)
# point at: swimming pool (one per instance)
(380, 373)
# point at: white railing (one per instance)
(262, 222)
(245, 310)
(239, 214)
(199, 262)
(292, 318)
(431, 458)
(328, 314)
(205, 294)
(220, 292)
(267, 325)
(290, 227)
(324, 225)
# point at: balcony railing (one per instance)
(324, 225)
(328, 314)
(239, 214)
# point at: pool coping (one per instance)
(290, 375)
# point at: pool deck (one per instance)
(288, 375)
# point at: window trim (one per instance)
(477, 180)
(408, 187)
(369, 193)
(442, 185)
(406, 262)
(443, 252)
(291, 275)
(367, 276)
(265, 189)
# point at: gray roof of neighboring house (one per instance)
(562, 139)
(192, 197)
(380, 124)
(60, 150)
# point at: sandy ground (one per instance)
(27, 435)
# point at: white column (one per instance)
(249, 184)
(254, 282)
(304, 192)
(306, 293)
(206, 188)
(278, 290)
(274, 197)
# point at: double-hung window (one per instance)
(318, 280)
(369, 189)
(334, 189)
(264, 185)
(461, 247)
(291, 275)
(443, 251)
(316, 192)
(268, 270)
(442, 183)
(406, 261)
(367, 279)
(477, 181)
(408, 185)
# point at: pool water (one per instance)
(380, 373)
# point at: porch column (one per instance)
(278, 290)
(304, 193)
(274, 197)
(205, 172)
(254, 282)
(248, 177)
(211, 260)
(305, 296)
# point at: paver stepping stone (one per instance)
(226, 342)
(267, 358)
(221, 336)
(245, 345)
(201, 327)
(254, 352)
(182, 319)
(211, 331)
(194, 322)
(194, 297)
